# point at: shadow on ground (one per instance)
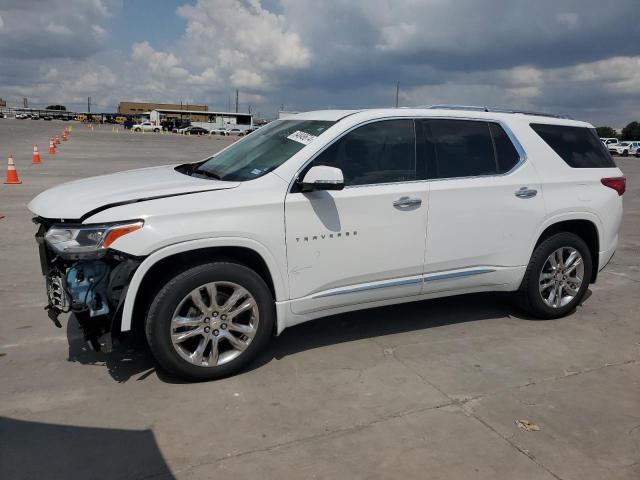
(42, 450)
(133, 359)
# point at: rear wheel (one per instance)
(210, 321)
(557, 277)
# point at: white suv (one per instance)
(626, 148)
(327, 212)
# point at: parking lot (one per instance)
(433, 389)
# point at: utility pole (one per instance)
(25, 103)
(397, 92)
(228, 103)
(236, 100)
(88, 104)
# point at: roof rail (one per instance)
(477, 108)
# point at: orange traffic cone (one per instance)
(12, 175)
(57, 140)
(36, 156)
(52, 146)
(64, 135)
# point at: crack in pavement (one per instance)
(320, 435)
(464, 403)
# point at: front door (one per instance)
(366, 242)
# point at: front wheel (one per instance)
(625, 153)
(557, 277)
(210, 321)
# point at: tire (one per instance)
(625, 153)
(175, 299)
(156, 130)
(531, 296)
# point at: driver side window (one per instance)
(379, 152)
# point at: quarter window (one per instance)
(379, 152)
(579, 147)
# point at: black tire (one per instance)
(166, 301)
(530, 297)
(625, 153)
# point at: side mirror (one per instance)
(322, 177)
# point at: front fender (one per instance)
(139, 275)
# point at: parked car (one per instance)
(626, 148)
(192, 130)
(235, 131)
(611, 144)
(146, 127)
(218, 131)
(21, 116)
(326, 212)
(48, 118)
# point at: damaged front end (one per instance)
(85, 277)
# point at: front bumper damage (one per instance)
(91, 287)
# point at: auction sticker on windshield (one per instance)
(302, 137)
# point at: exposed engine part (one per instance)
(58, 298)
(86, 283)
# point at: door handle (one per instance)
(404, 202)
(526, 192)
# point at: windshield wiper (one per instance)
(207, 173)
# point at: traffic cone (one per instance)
(52, 146)
(36, 156)
(12, 175)
(57, 140)
(64, 135)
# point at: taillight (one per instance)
(619, 184)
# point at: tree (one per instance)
(57, 107)
(606, 132)
(631, 131)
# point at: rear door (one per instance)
(366, 242)
(485, 204)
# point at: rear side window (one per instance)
(463, 148)
(579, 147)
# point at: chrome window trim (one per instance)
(517, 145)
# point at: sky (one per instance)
(575, 57)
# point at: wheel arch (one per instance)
(164, 263)
(582, 227)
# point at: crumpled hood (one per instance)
(75, 199)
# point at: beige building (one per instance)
(3, 103)
(138, 108)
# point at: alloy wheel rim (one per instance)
(561, 277)
(214, 324)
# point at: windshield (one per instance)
(263, 150)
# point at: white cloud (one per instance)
(57, 29)
(99, 31)
(568, 19)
